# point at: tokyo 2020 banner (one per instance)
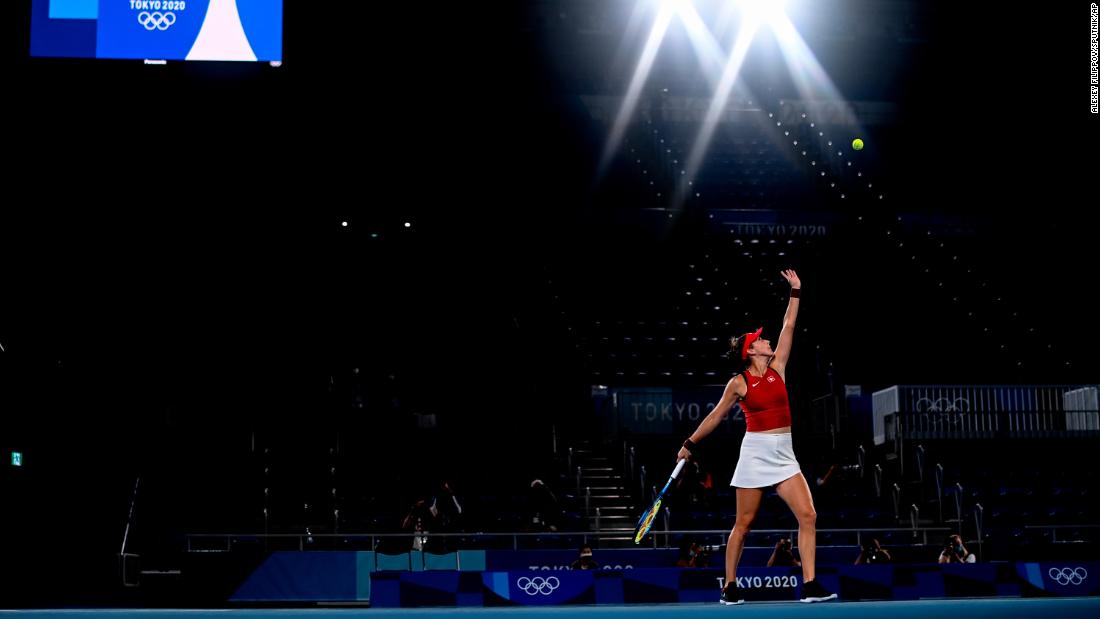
(234, 30)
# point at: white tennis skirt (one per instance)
(765, 460)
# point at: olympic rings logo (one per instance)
(942, 405)
(156, 21)
(538, 585)
(1067, 576)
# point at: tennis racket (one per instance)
(650, 515)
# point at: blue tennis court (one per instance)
(973, 608)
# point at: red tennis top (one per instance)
(765, 403)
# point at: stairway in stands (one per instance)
(601, 494)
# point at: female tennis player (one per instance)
(767, 457)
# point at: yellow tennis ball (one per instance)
(857, 144)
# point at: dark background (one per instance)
(174, 263)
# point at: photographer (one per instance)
(585, 560)
(421, 519)
(955, 552)
(693, 555)
(873, 552)
(782, 555)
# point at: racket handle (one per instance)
(679, 467)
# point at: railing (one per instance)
(129, 517)
(979, 517)
(1054, 528)
(897, 502)
(958, 505)
(939, 490)
(226, 542)
(127, 559)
